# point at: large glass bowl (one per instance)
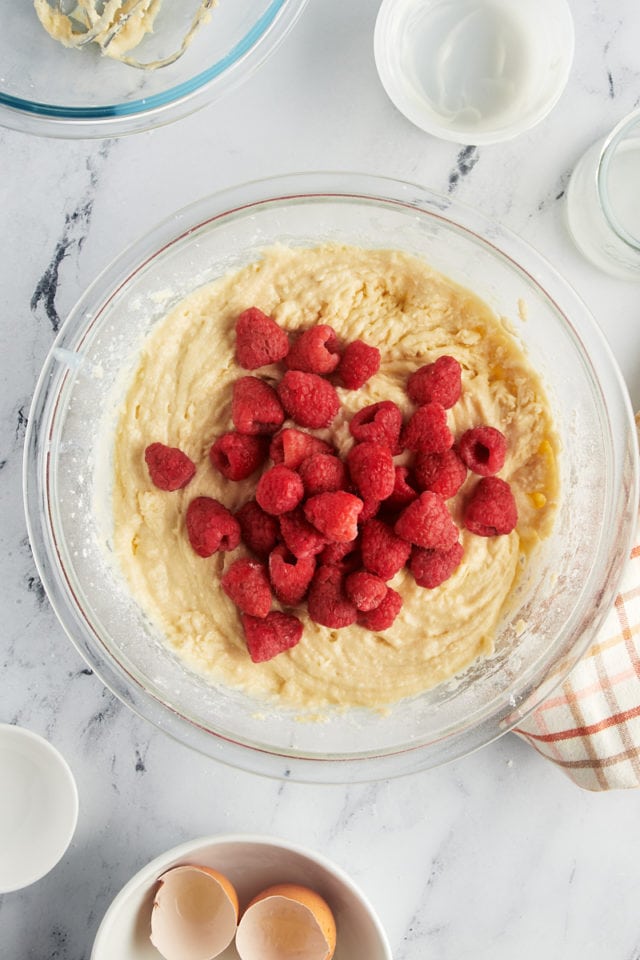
(49, 89)
(571, 580)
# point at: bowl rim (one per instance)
(256, 757)
(180, 100)
(144, 877)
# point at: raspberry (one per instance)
(259, 530)
(438, 382)
(378, 423)
(359, 363)
(315, 351)
(365, 590)
(274, 634)
(302, 539)
(372, 471)
(427, 523)
(344, 555)
(483, 449)
(491, 509)
(322, 473)
(292, 447)
(255, 407)
(308, 399)
(211, 527)
(370, 508)
(279, 490)
(402, 493)
(259, 340)
(383, 552)
(237, 455)
(169, 468)
(442, 473)
(327, 602)
(290, 577)
(247, 584)
(384, 614)
(430, 568)
(427, 430)
(334, 514)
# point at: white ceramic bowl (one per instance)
(251, 863)
(561, 600)
(49, 89)
(474, 71)
(38, 807)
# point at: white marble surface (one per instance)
(495, 856)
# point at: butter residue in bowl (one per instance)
(119, 28)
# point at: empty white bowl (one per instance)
(474, 71)
(38, 807)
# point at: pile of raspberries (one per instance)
(324, 529)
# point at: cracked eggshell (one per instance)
(195, 913)
(287, 922)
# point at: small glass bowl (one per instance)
(570, 582)
(51, 90)
(603, 201)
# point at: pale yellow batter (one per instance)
(181, 395)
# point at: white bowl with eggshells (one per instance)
(251, 864)
(569, 579)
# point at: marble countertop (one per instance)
(497, 855)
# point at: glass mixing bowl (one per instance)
(570, 582)
(49, 89)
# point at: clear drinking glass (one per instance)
(603, 201)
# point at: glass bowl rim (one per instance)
(145, 113)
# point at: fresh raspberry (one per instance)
(255, 407)
(273, 635)
(442, 473)
(378, 423)
(259, 530)
(383, 552)
(322, 473)
(308, 399)
(427, 523)
(430, 568)
(372, 471)
(438, 382)
(483, 449)
(343, 555)
(370, 509)
(290, 577)
(402, 493)
(302, 539)
(237, 455)
(211, 527)
(169, 468)
(315, 351)
(491, 510)
(279, 490)
(384, 614)
(259, 340)
(365, 590)
(247, 584)
(327, 602)
(334, 514)
(292, 447)
(358, 364)
(427, 430)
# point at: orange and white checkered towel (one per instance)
(591, 726)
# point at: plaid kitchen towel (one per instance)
(591, 726)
